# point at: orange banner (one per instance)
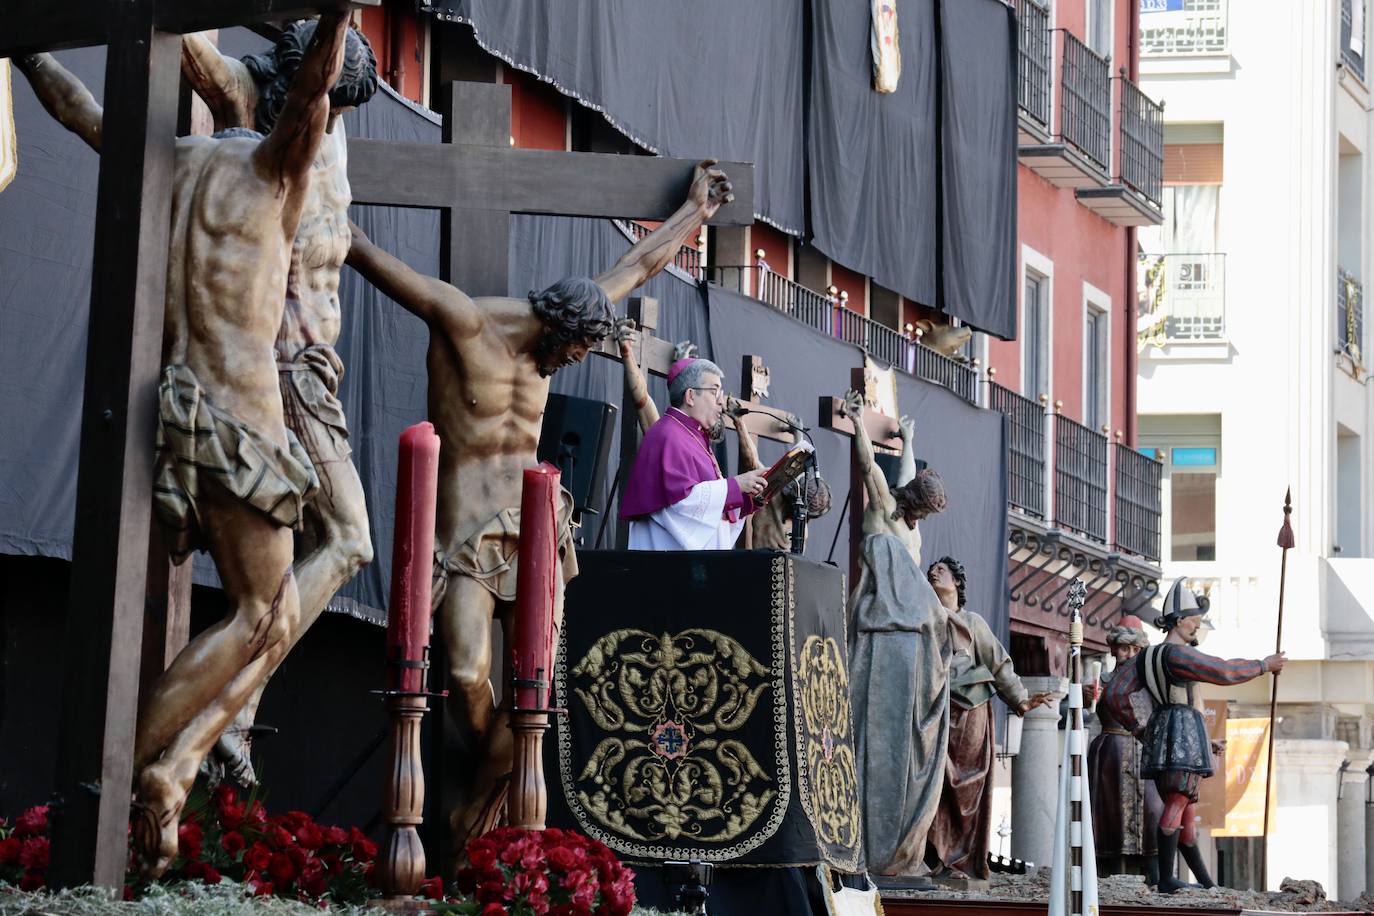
(1246, 768)
(1211, 801)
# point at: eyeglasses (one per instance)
(717, 393)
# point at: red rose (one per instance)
(128, 894)
(532, 858)
(256, 815)
(310, 836)
(231, 817)
(432, 888)
(314, 885)
(554, 837)
(493, 909)
(493, 892)
(332, 863)
(281, 868)
(233, 842)
(32, 822)
(9, 850)
(562, 858)
(262, 888)
(225, 796)
(33, 854)
(32, 881)
(364, 850)
(530, 882)
(195, 870)
(482, 853)
(211, 875)
(335, 836)
(257, 857)
(189, 839)
(279, 837)
(538, 904)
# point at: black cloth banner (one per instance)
(707, 698)
(713, 78)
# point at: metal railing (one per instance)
(1142, 142)
(1033, 60)
(1351, 57)
(1080, 478)
(1187, 292)
(1085, 104)
(1025, 448)
(831, 317)
(1198, 28)
(1350, 316)
(687, 259)
(1137, 502)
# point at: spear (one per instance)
(1285, 543)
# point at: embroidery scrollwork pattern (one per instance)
(832, 788)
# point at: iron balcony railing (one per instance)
(1085, 102)
(687, 259)
(1198, 28)
(1352, 44)
(1137, 502)
(1033, 60)
(1142, 143)
(1187, 293)
(830, 316)
(1350, 316)
(1025, 448)
(1080, 478)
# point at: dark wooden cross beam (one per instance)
(110, 554)
(885, 434)
(478, 180)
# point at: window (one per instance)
(1192, 465)
(1099, 28)
(1035, 376)
(1095, 383)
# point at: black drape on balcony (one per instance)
(715, 78)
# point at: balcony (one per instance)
(1033, 70)
(1352, 53)
(1137, 502)
(1350, 318)
(830, 315)
(1079, 155)
(1080, 478)
(1189, 28)
(1134, 199)
(1025, 448)
(1185, 297)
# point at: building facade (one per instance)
(1253, 380)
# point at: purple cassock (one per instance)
(675, 497)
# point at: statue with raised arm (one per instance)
(230, 476)
(899, 655)
(335, 542)
(490, 360)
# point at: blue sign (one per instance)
(1161, 6)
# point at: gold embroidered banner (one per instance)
(707, 709)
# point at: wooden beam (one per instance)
(31, 26)
(548, 182)
(114, 483)
(475, 240)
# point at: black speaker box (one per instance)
(576, 439)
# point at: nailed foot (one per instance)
(154, 823)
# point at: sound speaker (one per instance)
(576, 439)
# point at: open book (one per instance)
(785, 470)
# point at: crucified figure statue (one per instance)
(490, 360)
(770, 527)
(230, 476)
(335, 543)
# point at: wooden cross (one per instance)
(110, 554)
(884, 432)
(478, 180)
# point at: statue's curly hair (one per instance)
(273, 72)
(818, 499)
(956, 569)
(923, 495)
(573, 310)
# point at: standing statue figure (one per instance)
(490, 360)
(1177, 754)
(1126, 808)
(230, 476)
(899, 655)
(979, 668)
(335, 543)
(770, 527)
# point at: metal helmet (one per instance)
(1180, 602)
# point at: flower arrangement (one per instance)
(283, 855)
(24, 848)
(551, 872)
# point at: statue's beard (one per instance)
(717, 432)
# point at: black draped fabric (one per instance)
(873, 158)
(978, 163)
(714, 78)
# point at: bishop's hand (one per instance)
(852, 407)
(710, 188)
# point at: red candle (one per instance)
(412, 559)
(535, 585)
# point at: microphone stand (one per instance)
(804, 482)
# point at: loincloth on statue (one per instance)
(201, 446)
(309, 389)
(489, 556)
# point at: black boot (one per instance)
(1168, 863)
(1193, 857)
